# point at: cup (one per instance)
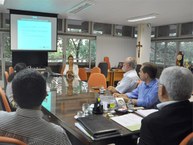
(130, 106)
(80, 114)
(85, 108)
(102, 90)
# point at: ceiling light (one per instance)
(2, 2)
(142, 18)
(80, 6)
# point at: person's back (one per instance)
(27, 124)
(173, 122)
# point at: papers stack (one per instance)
(145, 113)
(130, 121)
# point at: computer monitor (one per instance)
(50, 102)
(120, 65)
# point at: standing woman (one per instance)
(71, 69)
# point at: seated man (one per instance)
(174, 120)
(9, 93)
(130, 78)
(146, 94)
(27, 124)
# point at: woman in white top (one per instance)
(71, 69)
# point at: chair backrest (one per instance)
(62, 69)
(97, 80)
(106, 59)
(6, 76)
(11, 70)
(104, 68)
(4, 101)
(187, 139)
(95, 70)
(82, 74)
(11, 141)
(138, 68)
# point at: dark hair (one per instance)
(29, 88)
(70, 56)
(18, 67)
(150, 69)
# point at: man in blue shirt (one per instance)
(146, 94)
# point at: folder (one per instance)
(99, 126)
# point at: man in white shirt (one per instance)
(130, 78)
(27, 124)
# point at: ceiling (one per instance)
(112, 11)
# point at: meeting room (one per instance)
(90, 72)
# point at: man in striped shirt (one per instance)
(29, 90)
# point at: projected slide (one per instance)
(34, 32)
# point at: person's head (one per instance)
(18, 67)
(29, 88)
(129, 64)
(175, 83)
(70, 59)
(148, 71)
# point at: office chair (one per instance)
(106, 59)
(4, 101)
(97, 80)
(10, 141)
(188, 140)
(95, 70)
(104, 68)
(138, 68)
(82, 74)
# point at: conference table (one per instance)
(65, 99)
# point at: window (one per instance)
(123, 30)
(159, 52)
(100, 28)
(152, 32)
(152, 53)
(164, 53)
(187, 28)
(135, 32)
(5, 52)
(6, 20)
(167, 31)
(170, 54)
(77, 26)
(60, 25)
(187, 48)
(57, 56)
(83, 51)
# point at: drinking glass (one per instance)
(85, 108)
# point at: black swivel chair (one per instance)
(138, 68)
(104, 68)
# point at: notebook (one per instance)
(99, 126)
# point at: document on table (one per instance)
(145, 113)
(130, 121)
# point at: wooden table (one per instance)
(64, 107)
